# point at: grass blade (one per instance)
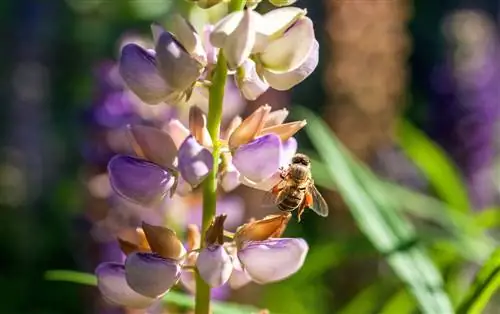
(485, 284)
(376, 216)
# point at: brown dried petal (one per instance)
(215, 232)
(198, 126)
(134, 243)
(235, 122)
(249, 128)
(285, 131)
(271, 226)
(193, 237)
(163, 241)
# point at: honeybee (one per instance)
(296, 190)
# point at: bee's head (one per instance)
(301, 159)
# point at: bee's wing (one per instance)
(319, 205)
(273, 197)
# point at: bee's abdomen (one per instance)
(290, 203)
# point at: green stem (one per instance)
(214, 118)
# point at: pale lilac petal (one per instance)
(188, 37)
(285, 81)
(214, 265)
(138, 69)
(289, 149)
(179, 69)
(114, 288)
(195, 161)
(259, 159)
(230, 179)
(239, 277)
(274, 259)
(250, 83)
(183, 187)
(209, 48)
(178, 132)
(150, 274)
(291, 50)
(139, 180)
(232, 205)
(265, 185)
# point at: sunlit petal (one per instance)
(285, 81)
(290, 50)
(274, 259)
(249, 82)
(249, 128)
(259, 159)
(239, 43)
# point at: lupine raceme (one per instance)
(207, 74)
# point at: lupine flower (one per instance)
(149, 178)
(263, 255)
(152, 267)
(277, 49)
(214, 263)
(168, 73)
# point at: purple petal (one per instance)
(195, 161)
(260, 158)
(289, 149)
(179, 69)
(150, 274)
(214, 265)
(285, 81)
(114, 288)
(230, 179)
(232, 205)
(139, 180)
(138, 70)
(274, 259)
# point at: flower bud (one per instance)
(138, 243)
(150, 274)
(214, 265)
(249, 128)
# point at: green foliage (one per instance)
(377, 215)
(438, 168)
(485, 284)
(172, 297)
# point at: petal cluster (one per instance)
(169, 72)
(277, 49)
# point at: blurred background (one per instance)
(410, 88)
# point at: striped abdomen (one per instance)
(292, 198)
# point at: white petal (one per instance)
(239, 43)
(290, 50)
(224, 28)
(274, 259)
(250, 84)
(285, 81)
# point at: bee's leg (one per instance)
(306, 203)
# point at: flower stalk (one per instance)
(214, 118)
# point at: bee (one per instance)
(296, 190)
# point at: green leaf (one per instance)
(378, 218)
(172, 297)
(485, 284)
(438, 168)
